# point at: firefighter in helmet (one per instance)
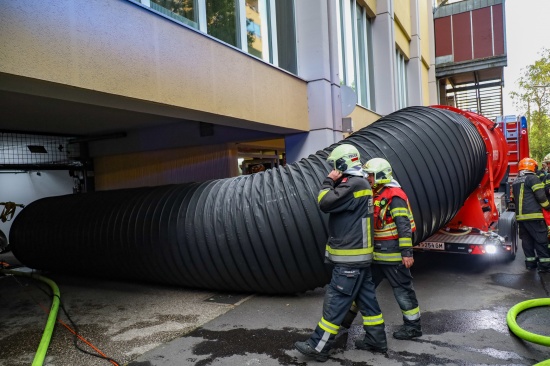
(546, 181)
(347, 197)
(393, 249)
(531, 200)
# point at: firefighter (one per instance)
(546, 182)
(347, 197)
(530, 201)
(393, 253)
(542, 172)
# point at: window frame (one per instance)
(401, 79)
(268, 26)
(354, 43)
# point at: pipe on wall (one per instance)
(257, 233)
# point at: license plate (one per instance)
(432, 245)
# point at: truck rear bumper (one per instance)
(476, 244)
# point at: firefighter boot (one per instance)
(375, 339)
(309, 351)
(408, 331)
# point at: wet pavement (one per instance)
(464, 302)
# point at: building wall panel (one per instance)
(483, 34)
(498, 29)
(462, 37)
(443, 37)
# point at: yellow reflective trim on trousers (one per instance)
(373, 320)
(348, 252)
(388, 257)
(412, 311)
(328, 326)
(544, 260)
(362, 193)
(322, 194)
(412, 314)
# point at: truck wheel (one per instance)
(508, 228)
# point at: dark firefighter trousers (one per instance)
(400, 279)
(534, 241)
(347, 285)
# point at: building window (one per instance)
(257, 16)
(401, 79)
(284, 40)
(222, 21)
(263, 28)
(182, 10)
(354, 47)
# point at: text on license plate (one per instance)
(432, 245)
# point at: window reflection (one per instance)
(401, 79)
(263, 28)
(286, 35)
(221, 19)
(182, 10)
(254, 27)
(354, 47)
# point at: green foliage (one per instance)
(533, 96)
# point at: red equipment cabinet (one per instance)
(483, 225)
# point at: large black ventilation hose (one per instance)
(256, 233)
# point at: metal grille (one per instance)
(482, 98)
(20, 150)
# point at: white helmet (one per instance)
(546, 159)
(381, 169)
(344, 157)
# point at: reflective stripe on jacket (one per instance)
(393, 225)
(529, 196)
(349, 205)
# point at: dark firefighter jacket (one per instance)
(393, 225)
(349, 203)
(529, 196)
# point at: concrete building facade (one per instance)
(156, 92)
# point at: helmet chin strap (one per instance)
(377, 187)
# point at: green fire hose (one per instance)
(523, 334)
(47, 335)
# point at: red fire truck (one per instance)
(486, 224)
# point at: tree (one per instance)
(533, 97)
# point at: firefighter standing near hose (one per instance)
(393, 249)
(347, 197)
(530, 201)
(546, 182)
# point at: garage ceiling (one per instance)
(38, 114)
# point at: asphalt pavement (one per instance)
(463, 299)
